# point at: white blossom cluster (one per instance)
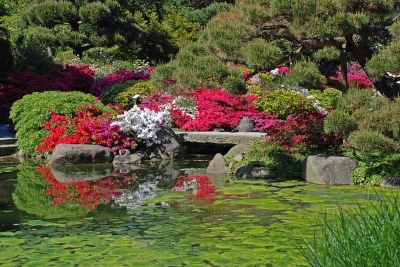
(143, 123)
(189, 110)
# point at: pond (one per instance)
(157, 214)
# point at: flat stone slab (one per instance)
(222, 138)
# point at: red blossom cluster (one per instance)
(306, 129)
(216, 109)
(86, 193)
(90, 126)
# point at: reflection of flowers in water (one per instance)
(132, 199)
(200, 187)
(87, 193)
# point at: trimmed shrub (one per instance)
(29, 114)
(122, 93)
(327, 98)
(305, 74)
(282, 103)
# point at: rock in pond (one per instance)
(170, 146)
(329, 170)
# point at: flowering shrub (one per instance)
(99, 87)
(200, 187)
(356, 76)
(143, 123)
(86, 193)
(18, 84)
(216, 109)
(304, 129)
(90, 126)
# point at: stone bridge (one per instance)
(215, 142)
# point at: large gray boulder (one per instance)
(170, 146)
(245, 125)
(329, 170)
(238, 149)
(65, 154)
(217, 165)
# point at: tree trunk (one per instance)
(343, 65)
(359, 47)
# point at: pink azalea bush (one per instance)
(356, 76)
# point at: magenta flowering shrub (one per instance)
(102, 85)
(217, 109)
(18, 84)
(356, 76)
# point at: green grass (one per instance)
(362, 236)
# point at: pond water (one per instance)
(157, 214)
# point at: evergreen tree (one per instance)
(263, 33)
(79, 24)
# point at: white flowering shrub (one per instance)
(144, 123)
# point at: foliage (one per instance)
(387, 60)
(38, 105)
(305, 74)
(5, 55)
(163, 35)
(327, 98)
(90, 126)
(29, 55)
(194, 66)
(203, 15)
(345, 238)
(282, 103)
(78, 25)
(123, 93)
(18, 84)
(328, 53)
(370, 124)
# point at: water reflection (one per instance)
(55, 191)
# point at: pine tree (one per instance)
(79, 24)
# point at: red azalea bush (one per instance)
(102, 85)
(18, 84)
(86, 193)
(90, 126)
(305, 129)
(216, 109)
(200, 187)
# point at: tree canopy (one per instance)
(261, 34)
(80, 25)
